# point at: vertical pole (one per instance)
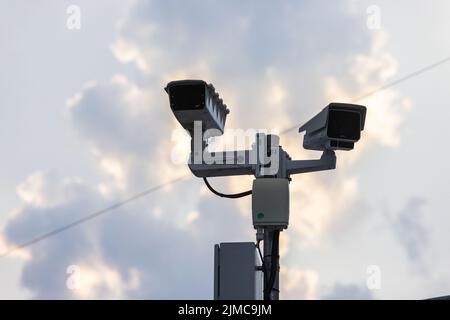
(271, 263)
(216, 272)
(271, 293)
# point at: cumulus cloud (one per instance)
(299, 284)
(387, 110)
(126, 253)
(411, 231)
(348, 292)
(274, 64)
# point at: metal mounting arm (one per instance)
(226, 164)
(249, 162)
(326, 162)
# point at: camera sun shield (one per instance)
(337, 127)
(195, 100)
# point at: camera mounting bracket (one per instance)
(265, 159)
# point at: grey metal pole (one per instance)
(273, 294)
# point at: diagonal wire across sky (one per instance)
(388, 85)
(153, 189)
(93, 215)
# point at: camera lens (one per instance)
(187, 97)
(344, 124)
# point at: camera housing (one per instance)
(195, 100)
(337, 127)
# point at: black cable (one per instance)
(274, 261)
(230, 196)
(262, 261)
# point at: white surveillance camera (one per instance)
(337, 127)
(195, 100)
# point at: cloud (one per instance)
(387, 110)
(96, 280)
(348, 292)
(125, 253)
(411, 231)
(274, 64)
(299, 284)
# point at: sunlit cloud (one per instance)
(134, 139)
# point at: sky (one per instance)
(85, 123)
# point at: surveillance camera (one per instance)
(195, 100)
(337, 127)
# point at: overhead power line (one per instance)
(92, 216)
(407, 77)
(386, 86)
(158, 187)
